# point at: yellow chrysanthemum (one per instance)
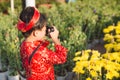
(95, 55)
(110, 62)
(84, 56)
(76, 58)
(108, 37)
(77, 53)
(106, 30)
(117, 40)
(85, 63)
(109, 46)
(98, 65)
(88, 78)
(109, 75)
(87, 51)
(93, 73)
(78, 69)
(117, 29)
(117, 36)
(106, 55)
(104, 62)
(111, 28)
(118, 23)
(117, 47)
(117, 65)
(116, 56)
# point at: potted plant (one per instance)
(3, 56)
(75, 41)
(12, 47)
(60, 72)
(3, 66)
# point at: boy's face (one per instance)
(40, 34)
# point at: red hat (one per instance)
(22, 26)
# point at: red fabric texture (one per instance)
(42, 63)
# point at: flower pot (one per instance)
(13, 77)
(70, 76)
(3, 75)
(60, 77)
(0, 64)
(21, 78)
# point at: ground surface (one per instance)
(99, 47)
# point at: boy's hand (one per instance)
(54, 36)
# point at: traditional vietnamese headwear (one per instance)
(22, 26)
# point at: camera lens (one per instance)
(49, 29)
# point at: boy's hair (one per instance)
(26, 15)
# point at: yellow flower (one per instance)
(106, 30)
(88, 78)
(112, 56)
(85, 63)
(117, 65)
(117, 36)
(95, 55)
(104, 62)
(109, 75)
(87, 51)
(106, 55)
(117, 29)
(116, 74)
(109, 66)
(77, 53)
(117, 40)
(118, 23)
(117, 47)
(76, 58)
(98, 65)
(78, 69)
(84, 56)
(109, 46)
(93, 73)
(111, 28)
(108, 37)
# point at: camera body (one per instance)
(49, 29)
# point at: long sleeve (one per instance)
(59, 56)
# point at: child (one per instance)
(33, 26)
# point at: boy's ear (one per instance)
(35, 33)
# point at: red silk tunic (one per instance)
(41, 66)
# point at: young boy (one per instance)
(32, 24)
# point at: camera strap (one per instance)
(30, 58)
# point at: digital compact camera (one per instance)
(49, 29)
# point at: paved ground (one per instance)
(99, 47)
